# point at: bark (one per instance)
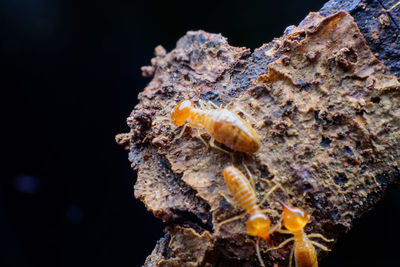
(326, 99)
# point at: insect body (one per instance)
(258, 224)
(223, 126)
(295, 219)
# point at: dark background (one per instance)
(71, 75)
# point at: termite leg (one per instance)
(277, 185)
(277, 228)
(235, 218)
(320, 236)
(320, 246)
(232, 203)
(172, 239)
(145, 139)
(196, 126)
(282, 231)
(214, 105)
(161, 119)
(237, 109)
(252, 180)
(216, 147)
(202, 104)
(265, 180)
(269, 193)
(202, 140)
(281, 244)
(181, 133)
(258, 252)
(207, 104)
(269, 211)
(393, 7)
(227, 105)
(291, 257)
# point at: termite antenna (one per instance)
(258, 252)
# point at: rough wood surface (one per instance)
(328, 117)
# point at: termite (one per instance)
(258, 224)
(294, 220)
(222, 125)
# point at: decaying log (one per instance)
(328, 113)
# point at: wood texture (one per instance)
(328, 117)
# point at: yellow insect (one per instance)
(295, 219)
(258, 224)
(222, 125)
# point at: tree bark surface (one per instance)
(326, 100)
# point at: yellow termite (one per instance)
(295, 219)
(258, 224)
(222, 125)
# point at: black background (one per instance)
(71, 75)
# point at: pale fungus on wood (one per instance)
(327, 111)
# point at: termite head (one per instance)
(181, 112)
(294, 219)
(259, 225)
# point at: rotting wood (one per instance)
(330, 134)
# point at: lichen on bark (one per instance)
(328, 117)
